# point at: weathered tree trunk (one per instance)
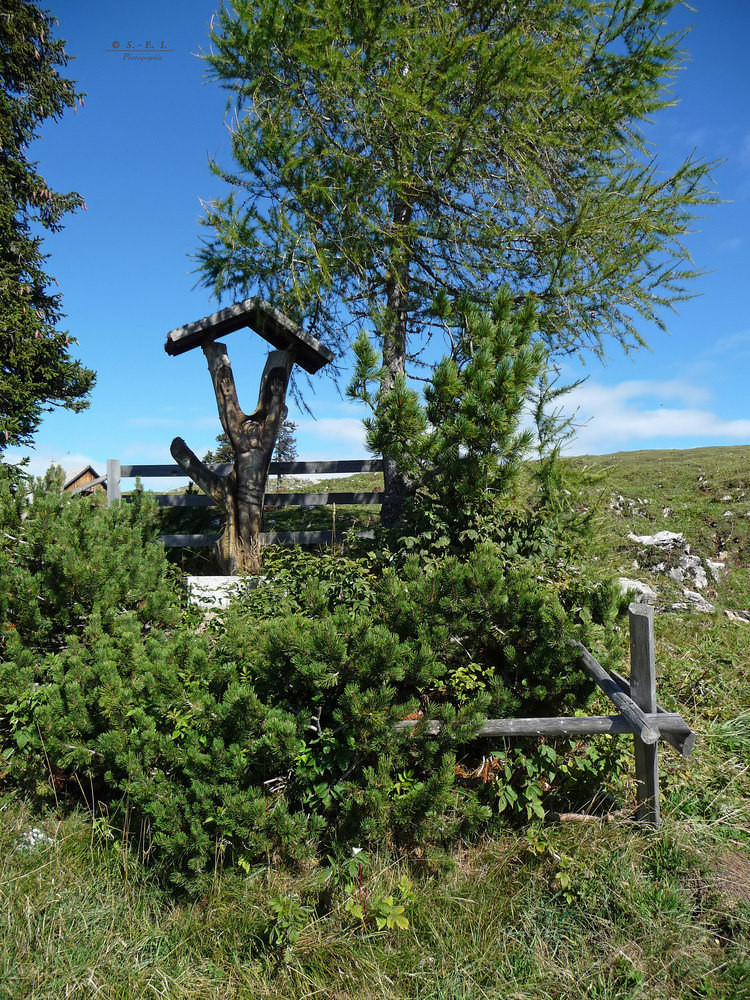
(397, 489)
(253, 437)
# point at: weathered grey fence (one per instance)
(639, 714)
(116, 472)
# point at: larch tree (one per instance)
(37, 371)
(396, 157)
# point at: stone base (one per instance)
(211, 593)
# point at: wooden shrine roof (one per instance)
(263, 319)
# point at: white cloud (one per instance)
(624, 414)
(40, 461)
(331, 434)
(730, 343)
(645, 389)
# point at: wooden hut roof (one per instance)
(75, 474)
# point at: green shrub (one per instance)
(275, 733)
(457, 642)
(73, 557)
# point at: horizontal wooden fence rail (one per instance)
(565, 725)
(349, 465)
(639, 714)
(273, 499)
(266, 537)
(116, 472)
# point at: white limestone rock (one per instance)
(685, 568)
(689, 568)
(715, 568)
(693, 602)
(664, 540)
(643, 593)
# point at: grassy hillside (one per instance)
(566, 910)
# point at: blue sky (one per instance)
(138, 152)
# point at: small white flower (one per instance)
(356, 851)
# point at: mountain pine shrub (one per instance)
(464, 444)
(273, 734)
(456, 642)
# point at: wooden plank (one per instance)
(267, 538)
(643, 690)
(297, 537)
(263, 319)
(114, 473)
(343, 465)
(271, 499)
(182, 500)
(306, 537)
(187, 541)
(591, 725)
(632, 712)
(683, 740)
(151, 471)
(275, 469)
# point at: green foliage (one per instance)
(464, 446)
(37, 370)
(223, 452)
(276, 731)
(392, 158)
(65, 566)
(314, 582)
(458, 642)
(396, 162)
(289, 919)
(602, 908)
(105, 696)
(286, 445)
(462, 450)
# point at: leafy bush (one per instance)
(455, 643)
(108, 693)
(278, 731)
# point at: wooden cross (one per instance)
(252, 436)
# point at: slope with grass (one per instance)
(558, 910)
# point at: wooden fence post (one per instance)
(643, 693)
(113, 481)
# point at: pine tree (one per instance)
(286, 447)
(461, 448)
(37, 371)
(392, 156)
(223, 453)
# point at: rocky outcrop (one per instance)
(664, 540)
(667, 552)
(693, 602)
(680, 564)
